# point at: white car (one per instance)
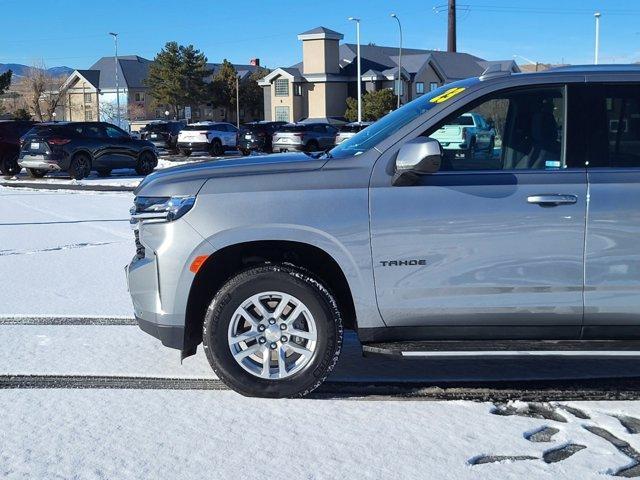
(212, 137)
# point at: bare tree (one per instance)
(43, 92)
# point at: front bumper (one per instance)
(159, 279)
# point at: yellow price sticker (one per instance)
(452, 92)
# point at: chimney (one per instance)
(451, 31)
(255, 62)
(320, 51)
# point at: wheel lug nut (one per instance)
(261, 328)
(283, 326)
(283, 339)
(272, 321)
(262, 340)
(273, 346)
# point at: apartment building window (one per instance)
(433, 86)
(282, 114)
(88, 114)
(399, 88)
(88, 98)
(282, 87)
(139, 96)
(419, 88)
(297, 89)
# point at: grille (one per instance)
(139, 247)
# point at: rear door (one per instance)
(495, 241)
(610, 116)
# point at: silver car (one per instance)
(266, 260)
(349, 130)
(307, 137)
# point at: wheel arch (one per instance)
(227, 261)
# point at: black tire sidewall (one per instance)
(273, 278)
(147, 162)
(216, 148)
(74, 172)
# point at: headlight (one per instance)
(160, 209)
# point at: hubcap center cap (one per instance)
(273, 333)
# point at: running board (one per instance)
(448, 348)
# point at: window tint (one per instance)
(608, 118)
(520, 129)
(113, 132)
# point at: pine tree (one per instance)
(251, 94)
(5, 81)
(223, 86)
(177, 77)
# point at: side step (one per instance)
(449, 348)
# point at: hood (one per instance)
(188, 179)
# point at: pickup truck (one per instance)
(466, 135)
(266, 260)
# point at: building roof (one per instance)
(132, 71)
(91, 76)
(242, 70)
(320, 30)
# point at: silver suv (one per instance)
(531, 247)
(308, 137)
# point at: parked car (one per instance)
(81, 147)
(308, 137)
(163, 134)
(10, 133)
(536, 254)
(466, 135)
(212, 137)
(349, 130)
(257, 136)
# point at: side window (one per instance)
(92, 131)
(113, 132)
(613, 126)
(513, 130)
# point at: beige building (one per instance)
(318, 86)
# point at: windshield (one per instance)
(394, 121)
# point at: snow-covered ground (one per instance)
(61, 255)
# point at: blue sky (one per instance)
(74, 32)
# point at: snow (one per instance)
(61, 255)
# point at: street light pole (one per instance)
(597, 15)
(115, 39)
(357, 20)
(393, 15)
(238, 102)
(528, 60)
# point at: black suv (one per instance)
(163, 134)
(10, 133)
(256, 136)
(80, 147)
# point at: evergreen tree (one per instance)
(5, 81)
(374, 105)
(176, 77)
(251, 94)
(223, 86)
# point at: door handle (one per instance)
(552, 200)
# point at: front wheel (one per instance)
(273, 331)
(146, 163)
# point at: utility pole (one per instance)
(451, 30)
(237, 102)
(399, 84)
(115, 39)
(357, 20)
(597, 52)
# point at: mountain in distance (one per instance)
(20, 70)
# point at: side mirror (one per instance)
(422, 155)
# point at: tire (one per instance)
(312, 146)
(147, 161)
(325, 327)
(216, 149)
(9, 165)
(80, 166)
(35, 173)
(244, 152)
(470, 154)
(184, 152)
(104, 172)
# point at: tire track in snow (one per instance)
(84, 321)
(6, 253)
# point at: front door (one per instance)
(496, 240)
(122, 150)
